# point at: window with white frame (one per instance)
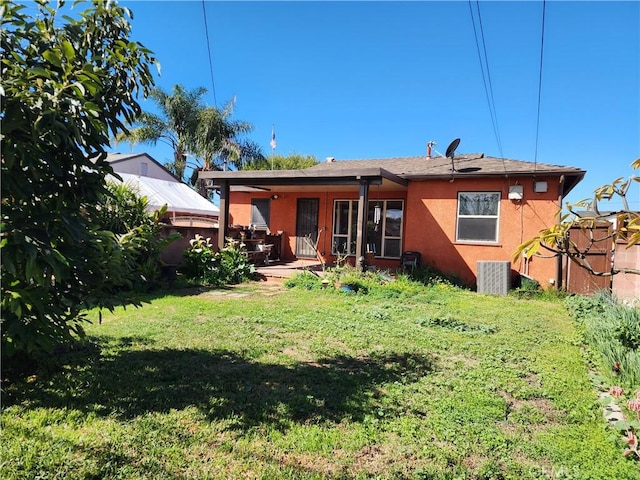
(345, 228)
(478, 215)
(384, 227)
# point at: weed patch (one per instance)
(447, 322)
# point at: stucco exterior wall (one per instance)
(431, 226)
(430, 215)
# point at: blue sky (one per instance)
(380, 79)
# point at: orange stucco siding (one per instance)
(431, 226)
(430, 217)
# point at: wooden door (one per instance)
(579, 280)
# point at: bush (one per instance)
(205, 266)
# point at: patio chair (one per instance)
(410, 260)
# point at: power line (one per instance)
(535, 156)
(206, 32)
(486, 78)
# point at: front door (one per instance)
(307, 227)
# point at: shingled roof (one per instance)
(475, 164)
(399, 170)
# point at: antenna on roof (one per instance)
(450, 151)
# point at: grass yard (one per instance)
(261, 382)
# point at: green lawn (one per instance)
(262, 382)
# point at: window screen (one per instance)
(478, 215)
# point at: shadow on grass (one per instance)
(221, 384)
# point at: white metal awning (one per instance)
(178, 197)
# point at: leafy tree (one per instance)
(280, 162)
(587, 215)
(66, 87)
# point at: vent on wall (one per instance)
(494, 277)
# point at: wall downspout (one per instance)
(559, 260)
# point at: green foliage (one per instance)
(281, 162)
(145, 244)
(65, 88)
(304, 280)
(586, 216)
(121, 209)
(430, 276)
(612, 333)
(582, 306)
(628, 328)
(450, 323)
(191, 128)
(206, 266)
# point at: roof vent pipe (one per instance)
(430, 145)
(330, 159)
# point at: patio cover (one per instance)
(178, 196)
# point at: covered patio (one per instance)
(274, 184)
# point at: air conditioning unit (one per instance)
(494, 277)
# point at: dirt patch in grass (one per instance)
(452, 362)
(300, 354)
(380, 459)
(310, 463)
(530, 415)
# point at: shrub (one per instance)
(204, 265)
(68, 84)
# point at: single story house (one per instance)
(455, 212)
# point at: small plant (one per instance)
(304, 280)
(628, 329)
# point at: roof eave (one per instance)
(373, 176)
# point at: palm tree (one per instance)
(175, 125)
(219, 139)
(206, 133)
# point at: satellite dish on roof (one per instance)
(450, 151)
(452, 148)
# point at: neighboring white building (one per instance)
(140, 164)
(185, 206)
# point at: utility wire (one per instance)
(535, 156)
(486, 77)
(486, 61)
(206, 32)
